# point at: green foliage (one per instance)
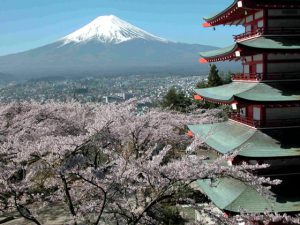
(205, 104)
(189, 193)
(176, 100)
(214, 79)
(226, 77)
(201, 84)
(167, 214)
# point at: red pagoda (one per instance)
(265, 100)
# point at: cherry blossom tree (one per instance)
(104, 162)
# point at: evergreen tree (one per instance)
(213, 78)
(226, 77)
(201, 84)
(176, 100)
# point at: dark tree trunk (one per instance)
(68, 196)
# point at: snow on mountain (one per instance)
(106, 46)
(109, 29)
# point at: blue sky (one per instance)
(27, 24)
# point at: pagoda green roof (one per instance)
(274, 42)
(225, 92)
(234, 5)
(230, 136)
(219, 52)
(258, 92)
(270, 43)
(217, 14)
(234, 195)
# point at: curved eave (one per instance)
(255, 45)
(234, 195)
(225, 93)
(282, 92)
(273, 43)
(235, 13)
(218, 14)
(232, 15)
(230, 136)
(221, 54)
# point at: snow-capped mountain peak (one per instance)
(109, 29)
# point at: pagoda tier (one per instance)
(232, 196)
(267, 93)
(263, 59)
(267, 144)
(259, 18)
(259, 105)
(265, 99)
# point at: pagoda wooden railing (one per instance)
(267, 31)
(265, 124)
(246, 76)
(248, 121)
(268, 76)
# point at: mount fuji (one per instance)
(106, 46)
(109, 30)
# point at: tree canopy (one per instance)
(104, 163)
(176, 100)
(214, 78)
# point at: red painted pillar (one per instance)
(263, 114)
(265, 66)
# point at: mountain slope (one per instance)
(107, 45)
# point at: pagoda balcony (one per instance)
(248, 121)
(295, 122)
(268, 76)
(267, 31)
(247, 76)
